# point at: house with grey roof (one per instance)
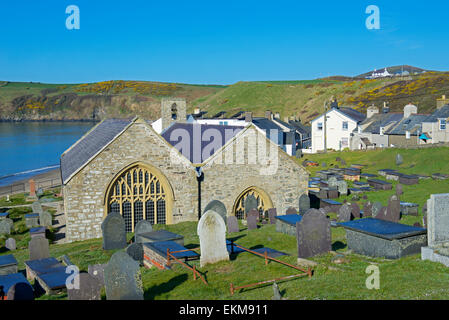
(435, 127)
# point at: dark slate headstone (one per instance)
(304, 203)
(232, 224)
(376, 208)
(254, 212)
(399, 190)
(394, 209)
(10, 244)
(367, 209)
(251, 222)
(218, 207)
(89, 288)
(45, 219)
(382, 214)
(344, 213)
(122, 278)
(291, 210)
(343, 162)
(355, 210)
(142, 227)
(313, 234)
(97, 271)
(114, 232)
(38, 247)
(272, 214)
(250, 203)
(20, 291)
(135, 251)
(399, 159)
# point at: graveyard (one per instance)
(337, 274)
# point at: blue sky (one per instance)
(216, 42)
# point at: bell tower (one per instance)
(173, 110)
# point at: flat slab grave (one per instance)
(8, 265)
(380, 184)
(287, 224)
(49, 273)
(162, 235)
(37, 232)
(7, 281)
(155, 253)
(408, 179)
(334, 205)
(379, 238)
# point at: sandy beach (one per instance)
(44, 180)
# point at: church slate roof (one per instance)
(195, 133)
(89, 145)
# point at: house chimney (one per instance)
(268, 115)
(197, 111)
(409, 110)
(372, 110)
(277, 115)
(248, 117)
(385, 108)
(286, 119)
(442, 101)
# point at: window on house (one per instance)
(320, 126)
(442, 124)
(344, 143)
(225, 123)
(345, 125)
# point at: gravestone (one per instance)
(342, 187)
(313, 234)
(332, 182)
(343, 162)
(438, 219)
(45, 219)
(376, 208)
(394, 209)
(382, 214)
(355, 210)
(251, 222)
(135, 251)
(122, 278)
(399, 190)
(10, 244)
(39, 192)
(97, 271)
(276, 292)
(38, 247)
(324, 164)
(291, 210)
(142, 227)
(5, 227)
(304, 203)
(218, 207)
(250, 203)
(20, 291)
(212, 232)
(232, 224)
(114, 233)
(367, 209)
(344, 213)
(254, 212)
(399, 159)
(37, 207)
(89, 288)
(272, 214)
(338, 159)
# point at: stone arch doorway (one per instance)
(140, 192)
(263, 202)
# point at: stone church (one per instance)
(125, 166)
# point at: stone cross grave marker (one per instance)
(122, 278)
(212, 232)
(304, 203)
(272, 214)
(232, 224)
(344, 213)
(38, 247)
(89, 288)
(313, 234)
(218, 207)
(142, 227)
(114, 233)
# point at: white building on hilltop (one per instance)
(380, 74)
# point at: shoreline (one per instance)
(50, 120)
(39, 178)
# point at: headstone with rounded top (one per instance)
(313, 234)
(255, 213)
(37, 207)
(332, 182)
(122, 278)
(10, 244)
(38, 248)
(45, 219)
(344, 213)
(304, 203)
(276, 292)
(342, 186)
(272, 214)
(232, 224)
(399, 159)
(5, 227)
(142, 227)
(212, 233)
(250, 203)
(251, 222)
(218, 207)
(89, 289)
(291, 210)
(135, 251)
(114, 232)
(20, 291)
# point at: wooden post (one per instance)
(266, 258)
(168, 257)
(232, 289)
(194, 273)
